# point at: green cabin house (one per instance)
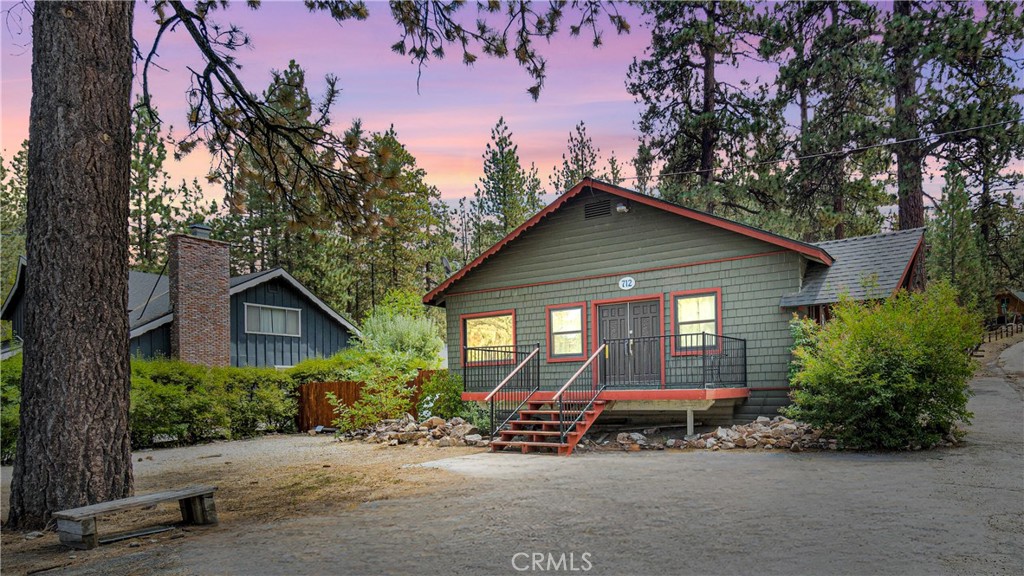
(613, 304)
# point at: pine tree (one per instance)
(506, 194)
(956, 253)
(692, 120)
(157, 209)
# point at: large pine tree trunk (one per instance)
(909, 155)
(74, 444)
(709, 128)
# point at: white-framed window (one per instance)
(566, 327)
(272, 320)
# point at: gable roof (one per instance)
(19, 281)
(818, 254)
(149, 299)
(865, 267)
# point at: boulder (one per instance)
(472, 439)
(433, 422)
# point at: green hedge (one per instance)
(891, 374)
(10, 400)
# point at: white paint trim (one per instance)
(270, 307)
(281, 273)
(151, 325)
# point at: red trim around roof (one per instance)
(810, 251)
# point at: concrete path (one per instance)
(947, 511)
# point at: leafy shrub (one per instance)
(804, 332)
(258, 399)
(318, 370)
(380, 399)
(890, 374)
(441, 396)
(413, 337)
(10, 402)
(183, 398)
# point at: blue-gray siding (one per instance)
(152, 344)
(321, 335)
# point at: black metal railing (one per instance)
(700, 360)
(511, 384)
(484, 367)
(578, 394)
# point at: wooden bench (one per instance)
(77, 527)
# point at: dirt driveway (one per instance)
(949, 511)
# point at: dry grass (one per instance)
(258, 481)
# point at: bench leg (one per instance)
(198, 510)
(79, 534)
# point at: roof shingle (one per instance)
(865, 267)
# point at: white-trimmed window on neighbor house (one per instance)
(272, 320)
(489, 337)
(566, 331)
(695, 312)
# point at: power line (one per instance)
(832, 153)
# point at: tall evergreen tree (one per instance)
(581, 160)
(506, 194)
(829, 71)
(157, 209)
(949, 72)
(694, 121)
(956, 252)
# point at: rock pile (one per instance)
(432, 431)
(777, 433)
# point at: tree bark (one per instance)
(909, 155)
(74, 447)
(709, 130)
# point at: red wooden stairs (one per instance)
(538, 428)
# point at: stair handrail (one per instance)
(564, 428)
(558, 395)
(511, 374)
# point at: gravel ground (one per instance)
(946, 511)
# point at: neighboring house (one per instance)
(198, 313)
(653, 307)
(1009, 306)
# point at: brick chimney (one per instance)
(199, 283)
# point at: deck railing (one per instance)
(700, 360)
(511, 374)
(578, 394)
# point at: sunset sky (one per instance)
(445, 126)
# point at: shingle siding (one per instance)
(751, 284)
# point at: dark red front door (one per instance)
(632, 330)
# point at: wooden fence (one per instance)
(1004, 330)
(315, 410)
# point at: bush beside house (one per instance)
(889, 374)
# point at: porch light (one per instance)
(622, 207)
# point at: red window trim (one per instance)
(675, 321)
(462, 334)
(582, 306)
(660, 297)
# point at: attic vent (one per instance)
(597, 209)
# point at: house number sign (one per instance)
(627, 283)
